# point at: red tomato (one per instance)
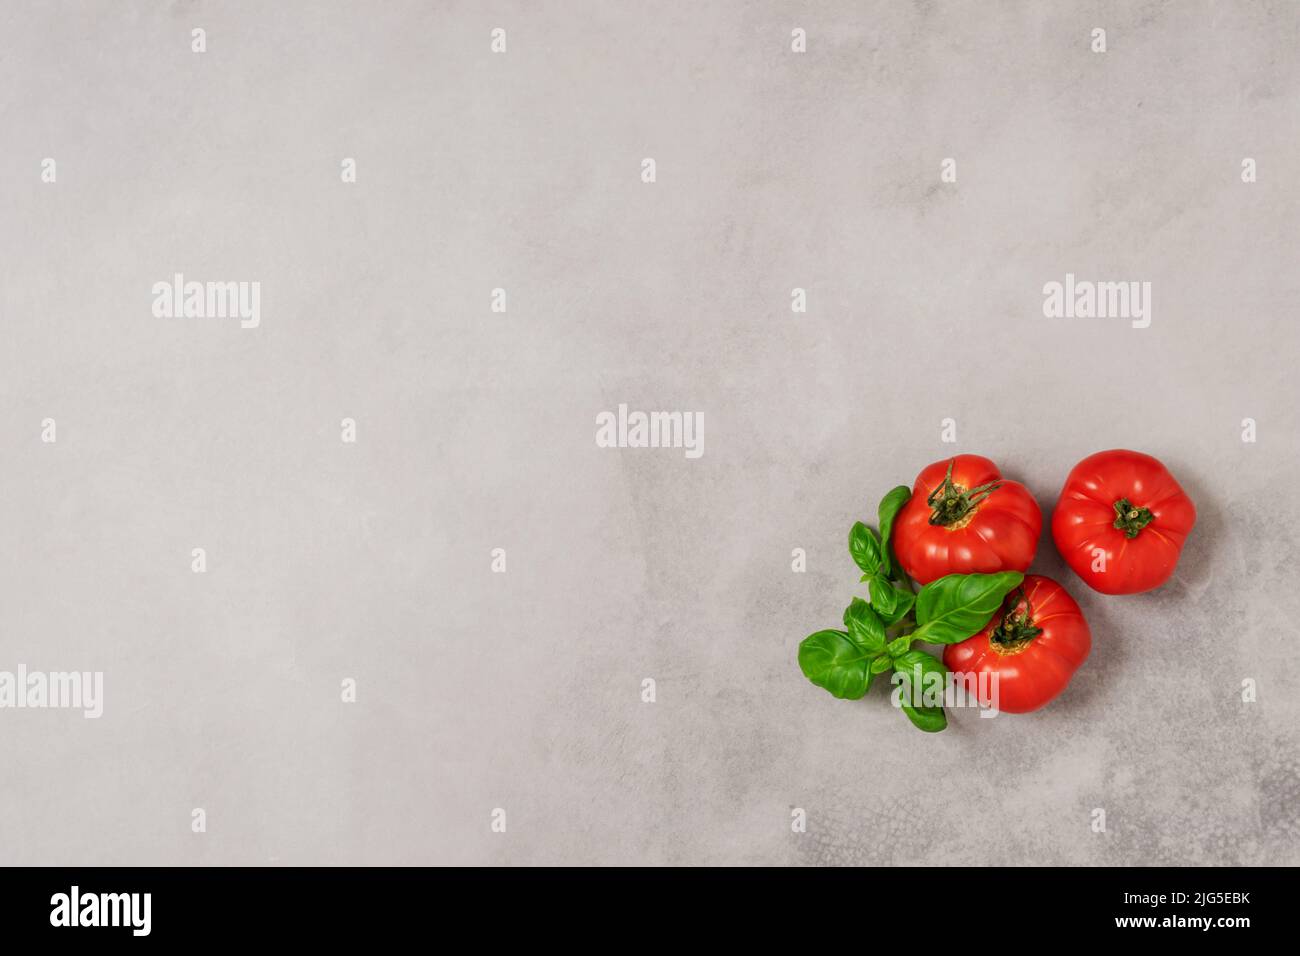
(1121, 522)
(964, 517)
(1033, 645)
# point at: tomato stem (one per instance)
(1131, 519)
(950, 502)
(1016, 629)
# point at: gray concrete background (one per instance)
(476, 430)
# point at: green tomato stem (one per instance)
(1131, 519)
(1016, 629)
(950, 502)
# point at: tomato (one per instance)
(1028, 652)
(964, 517)
(1121, 522)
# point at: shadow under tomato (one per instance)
(1196, 567)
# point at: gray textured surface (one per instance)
(521, 690)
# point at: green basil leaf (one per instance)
(913, 669)
(830, 660)
(864, 545)
(890, 506)
(956, 606)
(865, 628)
(905, 601)
(891, 602)
(881, 664)
(930, 719)
(883, 598)
(899, 645)
(913, 663)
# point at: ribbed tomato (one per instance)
(1121, 522)
(1028, 652)
(964, 517)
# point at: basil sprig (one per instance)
(878, 636)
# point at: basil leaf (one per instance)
(882, 596)
(913, 669)
(956, 606)
(899, 645)
(864, 545)
(905, 601)
(890, 602)
(890, 506)
(830, 660)
(913, 663)
(881, 664)
(930, 719)
(865, 628)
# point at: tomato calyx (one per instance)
(1016, 629)
(1131, 519)
(953, 506)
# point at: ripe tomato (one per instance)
(1121, 522)
(964, 517)
(1033, 645)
